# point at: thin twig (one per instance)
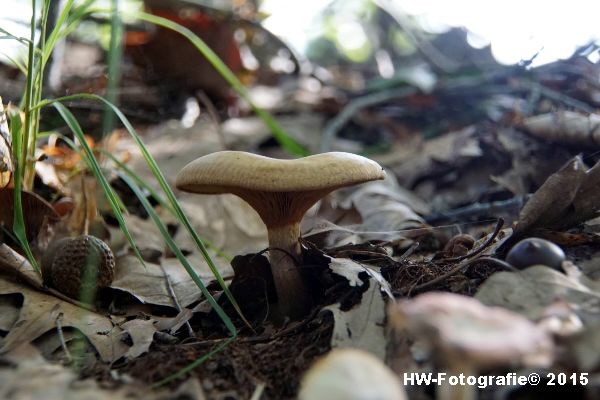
(176, 300)
(258, 391)
(456, 270)
(478, 250)
(214, 116)
(85, 223)
(279, 249)
(408, 252)
(338, 122)
(61, 337)
(477, 209)
(263, 338)
(77, 303)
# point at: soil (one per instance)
(235, 372)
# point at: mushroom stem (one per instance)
(284, 250)
(446, 391)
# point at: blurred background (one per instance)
(320, 55)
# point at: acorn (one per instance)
(534, 251)
(78, 266)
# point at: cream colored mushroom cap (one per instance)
(232, 171)
(350, 374)
(467, 330)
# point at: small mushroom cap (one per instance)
(463, 330)
(232, 171)
(350, 374)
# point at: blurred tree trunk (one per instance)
(53, 79)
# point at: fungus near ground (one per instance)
(280, 191)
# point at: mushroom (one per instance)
(280, 191)
(350, 374)
(467, 336)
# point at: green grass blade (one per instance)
(156, 196)
(197, 280)
(10, 36)
(140, 182)
(19, 229)
(188, 368)
(111, 196)
(113, 70)
(55, 34)
(162, 183)
(28, 98)
(178, 253)
(18, 64)
(288, 143)
(83, 156)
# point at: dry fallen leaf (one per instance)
(454, 149)
(9, 311)
(548, 204)
(586, 204)
(350, 270)
(38, 212)
(532, 161)
(148, 283)
(362, 327)
(384, 206)
(568, 197)
(531, 291)
(383, 209)
(141, 333)
(38, 315)
(32, 377)
(14, 264)
(566, 127)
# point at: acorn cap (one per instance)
(279, 190)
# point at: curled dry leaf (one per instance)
(586, 204)
(552, 205)
(38, 213)
(383, 210)
(383, 206)
(566, 127)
